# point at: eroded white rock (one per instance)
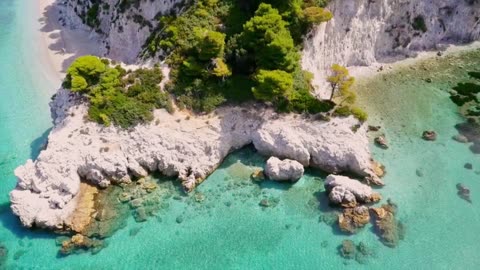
(283, 170)
(364, 33)
(188, 149)
(342, 187)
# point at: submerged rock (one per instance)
(18, 254)
(283, 170)
(80, 242)
(374, 128)
(381, 141)
(464, 192)
(387, 227)
(361, 252)
(468, 166)
(3, 255)
(353, 219)
(460, 138)
(329, 219)
(429, 135)
(269, 202)
(258, 175)
(347, 249)
(180, 219)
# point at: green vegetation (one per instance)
(218, 51)
(419, 24)
(116, 96)
(340, 82)
(229, 50)
(465, 95)
(92, 16)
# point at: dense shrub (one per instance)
(419, 24)
(216, 47)
(359, 114)
(115, 96)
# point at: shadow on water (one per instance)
(39, 144)
(11, 222)
(54, 24)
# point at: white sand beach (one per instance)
(59, 45)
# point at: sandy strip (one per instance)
(365, 72)
(59, 45)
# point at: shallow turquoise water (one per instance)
(229, 230)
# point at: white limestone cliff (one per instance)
(123, 29)
(365, 32)
(176, 145)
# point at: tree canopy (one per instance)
(273, 85)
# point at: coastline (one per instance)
(59, 45)
(366, 72)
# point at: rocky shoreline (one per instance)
(178, 145)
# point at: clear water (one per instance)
(229, 230)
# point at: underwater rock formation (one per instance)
(464, 192)
(3, 256)
(429, 135)
(353, 219)
(381, 142)
(79, 242)
(387, 227)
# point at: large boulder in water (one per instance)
(340, 188)
(342, 196)
(283, 170)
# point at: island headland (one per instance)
(52, 191)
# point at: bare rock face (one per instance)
(340, 195)
(123, 28)
(47, 192)
(383, 31)
(283, 170)
(347, 192)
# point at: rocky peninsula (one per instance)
(189, 148)
(52, 191)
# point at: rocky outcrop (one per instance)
(283, 170)
(429, 135)
(124, 26)
(189, 148)
(81, 242)
(347, 192)
(387, 30)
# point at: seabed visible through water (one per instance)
(222, 224)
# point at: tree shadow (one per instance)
(65, 41)
(39, 144)
(12, 223)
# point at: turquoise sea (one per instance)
(228, 229)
